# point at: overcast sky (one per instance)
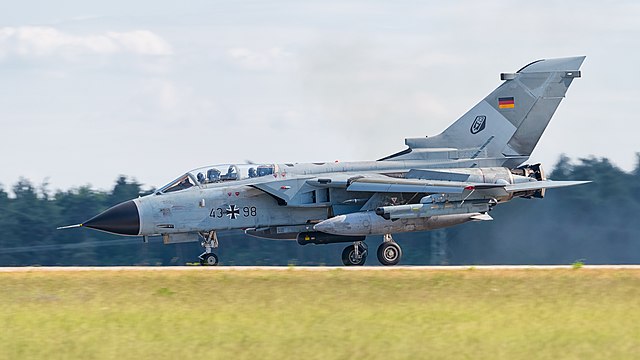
(151, 89)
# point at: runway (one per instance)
(309, 268)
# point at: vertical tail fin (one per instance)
(509, 121)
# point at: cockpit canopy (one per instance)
(217, 174)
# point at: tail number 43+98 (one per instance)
(234, 212)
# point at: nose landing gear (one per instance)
(209, 242)
(209, 260)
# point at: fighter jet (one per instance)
(452, 178)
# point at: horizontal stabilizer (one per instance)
(546, 184)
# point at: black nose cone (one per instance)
(122, 219)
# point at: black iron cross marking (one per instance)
(233, 212)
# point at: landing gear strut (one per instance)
(389, 252)
(209, 242)
(355, 255)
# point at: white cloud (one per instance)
(258, 60)
(45, 41)
(141, 42)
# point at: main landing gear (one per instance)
(355, 255)
(389, 253)
(209, 242)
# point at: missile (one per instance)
(428, 208)
(368, 223)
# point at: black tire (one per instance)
(349, 259)
(389, 253)
(209, 260)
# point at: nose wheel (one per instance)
(389, 252)
(209, 260)
(355, 255)
(209, 242)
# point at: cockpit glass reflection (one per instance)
(182, 183)
(218, 174)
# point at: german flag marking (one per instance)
(506, 103)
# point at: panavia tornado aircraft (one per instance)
(436, 182)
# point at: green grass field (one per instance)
(336, 314)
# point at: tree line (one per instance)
(594, 223)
